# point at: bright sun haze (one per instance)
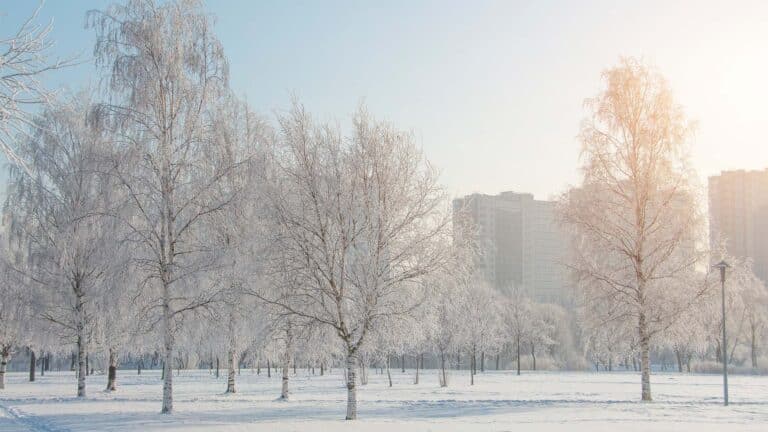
(492, 90)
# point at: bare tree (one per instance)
(16, 311)
(166, 71)
(24, 59)
(518, 320)
(635, 221)
(482, 321)
(361, 220)
(57, 210)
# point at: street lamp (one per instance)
(722, 265)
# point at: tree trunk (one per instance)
(718, 352)
(5, 356)
(518, 354)
(232, 353)
(231, 372)
(389, 374)
(81, 361)
(472, 366)
(284, 388)
(217, 367)
(351, 389)
(679, 357)
(43, 362)
(482, 361)
(168, 345)
(497, 362)
(645, 359)
(322, 369)
(416, 380)
(112, 375)
(74, 361)
(32, 365)
(269, 370)
(533, 355)
(363, 372)
(443, 377)
(753, 348)
(402, 363)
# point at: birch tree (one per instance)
(634, 220)
(235, 230)
(165, 71)
(361, 219)
(518, 313)
(16, 311)
(25, 58)
(57, 210)
(446, 317)
(482, 322)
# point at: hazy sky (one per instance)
(492, 90)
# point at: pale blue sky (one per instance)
(492, 90)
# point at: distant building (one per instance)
(521, 243)
(738, 214)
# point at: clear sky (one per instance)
(492, 90)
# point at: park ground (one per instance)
(499, 401)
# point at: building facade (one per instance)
(521, 243)
(738, 216)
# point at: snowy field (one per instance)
(499, 401)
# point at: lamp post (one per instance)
(722, 265)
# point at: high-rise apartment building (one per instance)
(521, 243)
(738, 215)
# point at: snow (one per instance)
(499, 401)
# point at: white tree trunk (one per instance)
(645, 359)
(168, 361)
(231, 370)
(81, 366)
(112, 374)
(232, 353)
(4, 358)
(284, 388)
(351, 388)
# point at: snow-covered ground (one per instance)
(498, 401)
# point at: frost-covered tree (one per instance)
(165, 74)
(544, 319)
(16, 312)
(446, 318)
(235, 230)
(482, 329)
(25, 57)
(361, 220)
(116, 325)
(517, 315)
(57, 209)
(746, 302)
(687, 337)
(635, 221)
